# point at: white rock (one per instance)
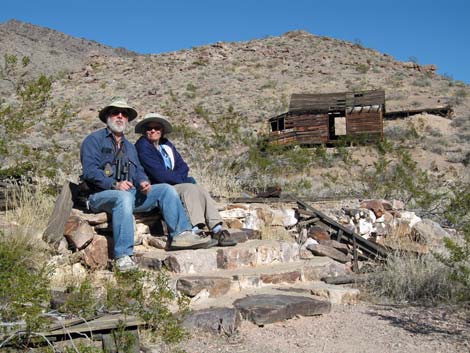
(372, 216)
(234, 213)
(201, 296)
(308, 242)
(66, 275)
(365, 227)
(410, 217)
(252, 221)
(381, 219)
(289, 217)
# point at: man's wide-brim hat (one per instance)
(153, 118)
(118, 103)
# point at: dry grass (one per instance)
(24, 224)
(32, 207)
(407, 278)
(219, 183)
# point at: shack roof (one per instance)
(339, 101)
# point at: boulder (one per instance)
(79, 234)
(375, 206)
(96, 255)
(430, 233)
(264, 308)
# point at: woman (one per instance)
(163, 164)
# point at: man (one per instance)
(119, 186)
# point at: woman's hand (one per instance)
(145, 187)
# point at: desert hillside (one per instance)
(220, 96)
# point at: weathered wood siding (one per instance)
(364, 123)
(303, 128)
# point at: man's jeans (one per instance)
(122, 204)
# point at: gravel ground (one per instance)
(347, 329)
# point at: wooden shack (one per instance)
(325, 118)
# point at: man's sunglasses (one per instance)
(114, 112)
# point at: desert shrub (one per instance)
(396, 175)
(362, 68)
(421, 82)
(461, 121)
(458, 259)
(401, 133)
(24, 293)
(433, 131)
(408, 278)
(147, 295)
(150, 296)
(28, 108)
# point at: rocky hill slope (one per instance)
(51, 52)
(204, 89)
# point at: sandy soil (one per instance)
(349, 329)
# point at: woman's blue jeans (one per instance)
(122, 204)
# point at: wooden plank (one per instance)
(445, 111)
(373, 250)
(335, 101)
(107, 322)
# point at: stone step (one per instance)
(248, 254)
(218, 282)
(266, 305)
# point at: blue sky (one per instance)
(431, 32)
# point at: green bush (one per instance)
(395, 175)
(458, 215)
(24, 284)
(152, 304)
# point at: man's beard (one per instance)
(114, 127)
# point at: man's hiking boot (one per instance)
(125, 264)
(190, 240)
(223, 238)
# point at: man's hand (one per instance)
(145, 187)
(124, 185)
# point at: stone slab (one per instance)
(151, 260)
(191, 286)
(336, 294)
(191, 261)
(62, 208)
(243, 234)
(266, 308)
(219, 320)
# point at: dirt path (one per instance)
(347, 329)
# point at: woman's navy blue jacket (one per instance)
(154, 166)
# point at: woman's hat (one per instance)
(153, 118)
(118, 103)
